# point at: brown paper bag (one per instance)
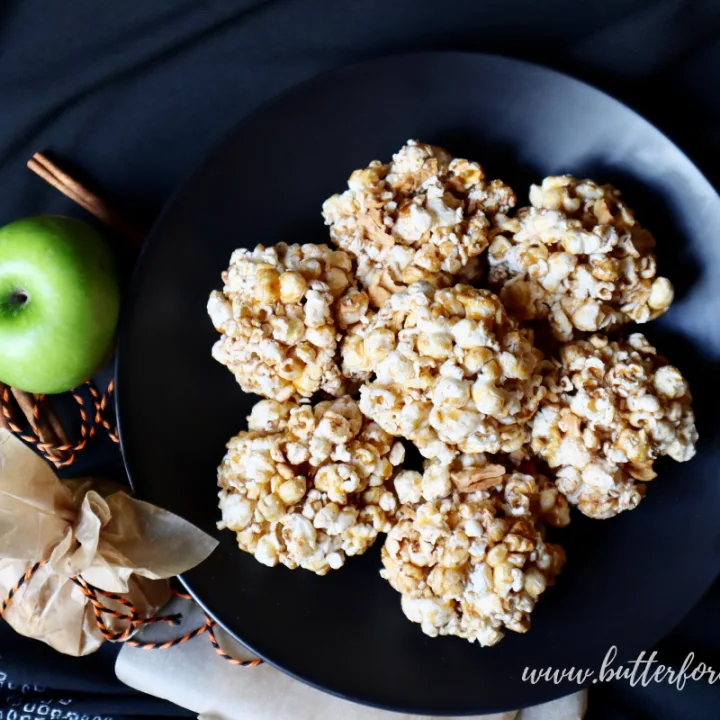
(83, 528)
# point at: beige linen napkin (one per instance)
(194, 676)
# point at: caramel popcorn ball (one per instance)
(424, 216)
(579, 259)
(308, 485)
(279, 315)
(611, 410)
(451, 371)
(473, 562)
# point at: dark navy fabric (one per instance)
(131, 95)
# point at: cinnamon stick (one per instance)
(54, 422)
(52, 174)
(39, 422)
(3, 421)
(26, 405)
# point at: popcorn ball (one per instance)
(308, 485)
(612, 408)
(579, 259)
(424, 216)
(452, 372)
(474, 561)
(279, 315)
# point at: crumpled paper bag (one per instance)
(87, 528)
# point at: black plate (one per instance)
(628, 580)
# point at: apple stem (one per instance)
(19, 297)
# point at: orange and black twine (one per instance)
(135, 621)
(101, 404)
(90, 421)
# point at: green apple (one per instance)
(59, 303)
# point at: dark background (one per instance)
(130, 96)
